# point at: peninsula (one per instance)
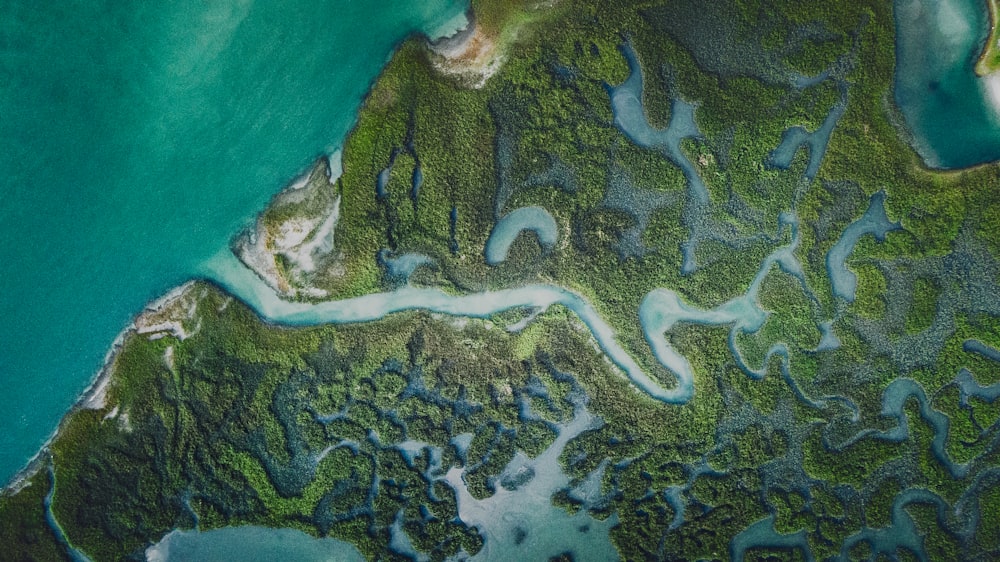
(989, 61)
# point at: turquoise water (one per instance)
(135, 140)
(250, 544)
(951, 112)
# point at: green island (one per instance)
(726, 184)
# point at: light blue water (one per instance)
(50, 519)
(796, 137)
(400, 268)
(660, 310)
(843, 281)
(630, 118)
(762, 534)
(508, 228)
(901, 534)
(520, 522)
(135, 140)
(946, 106)
(248, 287)
(250, 544)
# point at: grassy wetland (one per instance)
(839, 315)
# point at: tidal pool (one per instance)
(843, 281)
(519, 520)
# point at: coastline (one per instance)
(292, 239)
(925, 159)
(471, 55)
(918, 163)
(327, 418)
(94, 397)
(895, 117)
(992, 47)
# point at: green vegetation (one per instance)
(23, 530)
(989, 60)
(232, 425)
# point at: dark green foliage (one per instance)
(24, 534)
(238, 429)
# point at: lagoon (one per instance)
(952, 114)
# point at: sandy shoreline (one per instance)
(95, 396)
(291, 241)
(992, 40)
(470, 54)
(450, 45)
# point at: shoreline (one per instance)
(895, 117)
(910, 139)
(471, 55)
(94, 396)
(992, 46)
(96, 391)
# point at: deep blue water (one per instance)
(135, 139)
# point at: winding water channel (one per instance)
(662, 309)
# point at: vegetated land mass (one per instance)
(989, 60)
(858, 417)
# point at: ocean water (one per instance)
(136, 139)
(953, 114)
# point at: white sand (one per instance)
(300, 240)
(991, 92)
(470, 55)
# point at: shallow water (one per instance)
(520, 522)
(630, 118)
(843, 281)
(796, 137)
(952, 113)
(135, 140)
(400, 268)
(762, 534)
(250, 544)
(658, 313)
(511, 225)
(243, 283)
